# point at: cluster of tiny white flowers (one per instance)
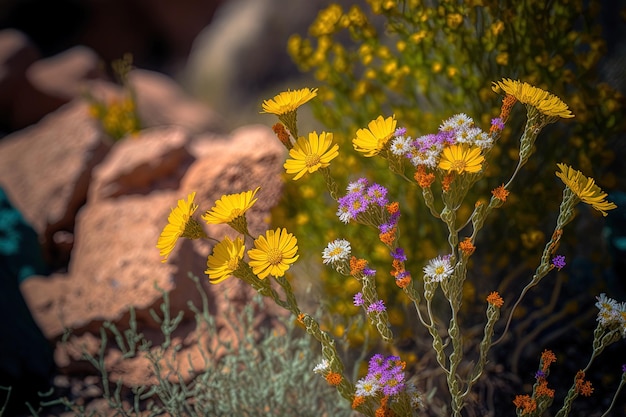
(438, 269)
(456, 122)
(322, 368)
(426, 150)
(344, 214)
(336, 251)
(611, 313)
(466, 132)
(366, 387)
(401, 145)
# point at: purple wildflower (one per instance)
(402, 274)
(401, 131)
(369, 272)
(350, 206)
(558, 262)
(399, 255)
(357, 186)
(497, 123)
(378, 194)
(385, 227)
(427, 142)
(358, 299)
(394, 385)
(446, 137)
(388, 373)
(624, 367)
(376, 306)
(540, 374)
(376, 361)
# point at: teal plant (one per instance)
(444, 167)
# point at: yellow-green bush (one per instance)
(427, 60)
(118, 117)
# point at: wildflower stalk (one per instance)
(534, 124)
(452, 289)
(291, 298)
(566, 215)
(601, 339)
(414, 296)
(380, 319)
(330, 182)
(329, 352)
(617, 391)
(493, 314)
(454, 297)
(438, 345)
(448, 215)
(429, 199)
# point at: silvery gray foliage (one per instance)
(267, 377)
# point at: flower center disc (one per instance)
(459, 166)
(312, 160)
(274, 256)
(233, 264)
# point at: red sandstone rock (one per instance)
(46, 169)
(65, 75)
(161, 102)
(250, 157)
(155, 159)
(115, 264)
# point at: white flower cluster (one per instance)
(611, 313)
(426, 150)
(322, 368)
(338, 250)
(438, 269)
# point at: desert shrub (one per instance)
(245, 375)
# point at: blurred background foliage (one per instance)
(118, 116)
(425, 61)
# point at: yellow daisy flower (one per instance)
(273, 253)
(312, 154)
(288, 101)
(179, 224)
(461, 158)
(585, 188)
(230, 206)
(545, 102)
(225, 259)
(372, 140)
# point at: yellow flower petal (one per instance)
(273, 253)
(224, 260)
(585, 188)
(288, 101)
(176, 224)
(372, 140)
(461, 158)
(309, 155)
(545, 102)
(229, 207)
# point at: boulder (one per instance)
(155, 159)
(46, 171)
(17, 53)
(115, 263)
(65, 75)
